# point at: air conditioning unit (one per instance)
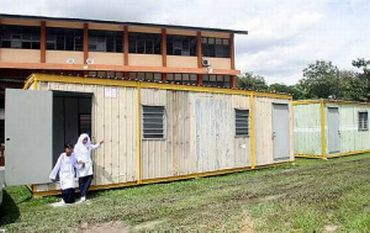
(90, 61)
(71, 61)
(206, 63)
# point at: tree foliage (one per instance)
(251, 81)
(321, 79)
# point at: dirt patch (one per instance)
(111, 227)
(330, 228)
(247, 223)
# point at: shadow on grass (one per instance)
(9, 212)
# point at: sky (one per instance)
(284, 35)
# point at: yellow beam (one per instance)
(303, 102)
(348, 153)
(36, 85)
(336, 155)
(166, 179)
(139, 140)
(161, 86)
(308, 156)
(323, 129)
(338, 102)
(252, 132)
(28, 83)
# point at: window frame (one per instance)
(243, 135)
(207, 80)
(25, 34)
(363, 124)
(141, 41)
(183, 78)
(216, 47)
(116, 38)
(182, 41)
(64, 35)
(164, 119)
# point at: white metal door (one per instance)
(333, 130)
(28, 136)
(281, 131)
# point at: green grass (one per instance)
(307, 196)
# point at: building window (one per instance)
(215, 47)
(19, 37)
(153, 122)
(145, 76)
(64, 39)
(145, 43)
(214, 80)
(105, 41)
(363, 123)
(181, 45)
(182, 78)
(241, 122)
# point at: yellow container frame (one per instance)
(323, 103)
(34, 80)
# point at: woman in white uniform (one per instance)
(83, 150)
(65, 168)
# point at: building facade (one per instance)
(114, 50)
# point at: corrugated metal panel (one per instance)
(351, 139)
(199, 133)
(263, 130)
(307, 129)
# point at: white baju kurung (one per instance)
(65, 167)
(83, 154)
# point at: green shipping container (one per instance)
(330, 128)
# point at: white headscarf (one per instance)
(80, 146)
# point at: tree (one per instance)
(321, 80)
(295, 90)
(363, 64)
(252, 81)
(352, 87)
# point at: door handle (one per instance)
(8, 139)
(273, 135)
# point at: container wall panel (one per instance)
(263, 130)
(199, 132)
(114, 119)
(307, 129)
(351, 138)
(155, 156)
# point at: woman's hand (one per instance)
(82, 164)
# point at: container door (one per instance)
(281, 131)
(333, 130)
(28, 136)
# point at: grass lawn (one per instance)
(308, 196)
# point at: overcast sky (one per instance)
(284, 35)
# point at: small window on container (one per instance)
(241, 122)
(363, 122)
(153, 122)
